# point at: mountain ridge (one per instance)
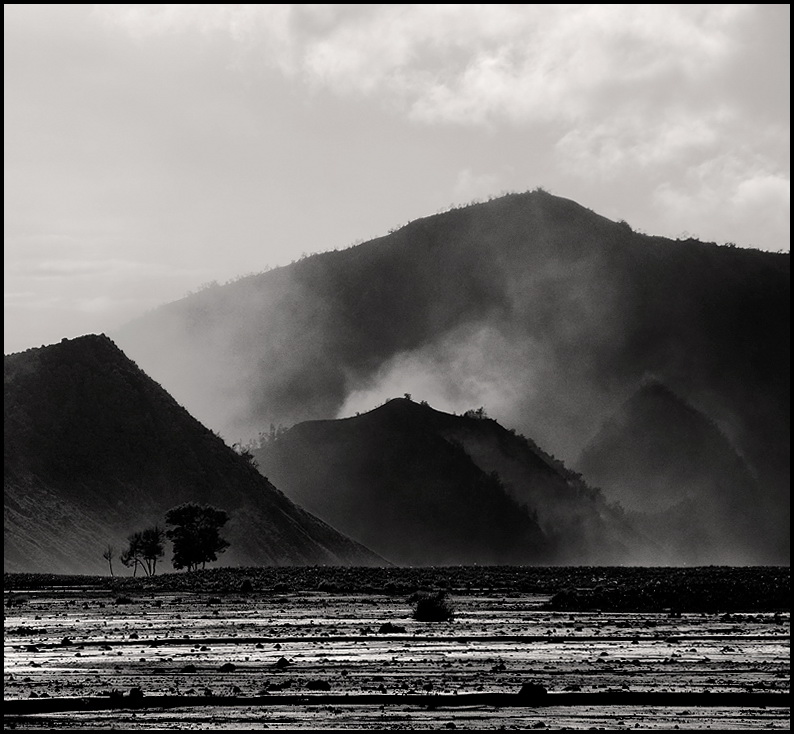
(543, 311)
(415, 466)
(94, 450)
(330, 288)
(678, 475)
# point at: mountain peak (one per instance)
(86, 341)
(661, 457)
(404, 406)
(95, 450)
(657, 398)
(553, 310)
(421, 486)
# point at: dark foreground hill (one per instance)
(420, 486)
(532, 305)
(94, 450)
(683, 483)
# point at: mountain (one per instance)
(94, 450)
(683, 482)
(423, 487)
(543, 311)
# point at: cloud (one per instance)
(63, 285)
(76, 268)
(474, 365)
(470, 186)
(632, 142)
(469, 64)
(650, 98)
(744, 192)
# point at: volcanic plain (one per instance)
(339, 648)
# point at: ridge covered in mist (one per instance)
(541, 310)
(94, 450)
(683, 483)
(390, 477)
(421, 486)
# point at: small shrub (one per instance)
(433, 608)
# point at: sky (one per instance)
(151, 149)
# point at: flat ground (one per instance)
(135, 654)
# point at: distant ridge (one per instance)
(94, 450)
(545, 312)
(423, 487)
(683, 483)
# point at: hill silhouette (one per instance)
(532, 305)
(94, 450)
(682, 482)
(423, 487)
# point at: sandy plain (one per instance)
(89, 657)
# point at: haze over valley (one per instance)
(543, 312)
(574, 392)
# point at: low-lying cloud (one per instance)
(473, 366)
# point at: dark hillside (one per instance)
(94, 450)
(532, 305)
(681, 479)
(424, 487)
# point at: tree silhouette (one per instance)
(152, 547)
(144, 548)
(131, 556)
(196, 534)
(108, 555)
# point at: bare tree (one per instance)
(131, 556)
(152, 547)
(145, 547)
(108, 554)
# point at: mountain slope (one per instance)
(424, 487)
(543, 311)
(683, 482)
(94, 450)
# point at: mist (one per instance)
(531, 306)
